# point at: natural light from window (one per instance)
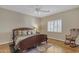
(55, 26)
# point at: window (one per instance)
(55, 26)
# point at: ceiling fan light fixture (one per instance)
(41, 10)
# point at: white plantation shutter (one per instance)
(55, 26)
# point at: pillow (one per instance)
(33, 32)
(24, 33)
(29, 32)
(15, 33)
(19, 33)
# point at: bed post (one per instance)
(13, 38)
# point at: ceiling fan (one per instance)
(41, 10)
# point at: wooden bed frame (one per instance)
(30, 41)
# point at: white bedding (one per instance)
(19, 38)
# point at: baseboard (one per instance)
(56, 39)
(1, 43)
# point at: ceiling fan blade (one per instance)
(44, 10)
(41, 10)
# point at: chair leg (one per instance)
(72, 43)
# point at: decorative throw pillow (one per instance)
(29, 32)
(33, 32)
(19, 33)
(16, 33)
(24, 33)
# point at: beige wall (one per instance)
(70, 20)
(10, 20)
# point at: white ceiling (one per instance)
(30, 9)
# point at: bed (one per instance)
(25, 38)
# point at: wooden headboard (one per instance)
(15, 32)
(22, 29)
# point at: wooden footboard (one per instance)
(28, 42)
(32, 41)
